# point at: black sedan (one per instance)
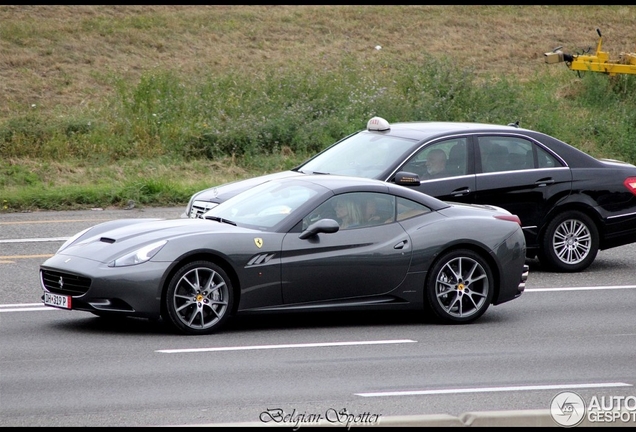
(298, 244)
(571, 205)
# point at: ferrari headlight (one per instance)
(139, 256)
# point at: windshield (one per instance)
(364, 154)
(265, 205)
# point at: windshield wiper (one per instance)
(220, 219)
(314, 172)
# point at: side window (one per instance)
(325, 210)
(407, 209)
(441, 159)
(354, 210)
(503, 153)
(377, 209)
(545, 159)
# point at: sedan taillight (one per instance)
(630, 183)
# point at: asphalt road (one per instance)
(572, 332)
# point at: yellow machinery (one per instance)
(599, 62)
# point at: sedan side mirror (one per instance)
(405, 178)
(323, 225)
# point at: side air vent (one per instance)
(260, 259)
(107, 240)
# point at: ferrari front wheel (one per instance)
(199, 298)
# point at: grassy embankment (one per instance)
(106, 104)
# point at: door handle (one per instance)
(400, 245)
(460, 192)
(544, 182)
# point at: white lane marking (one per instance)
(22, 309)
(493, 389)
(50, 239)
(19, 305)
(25, 307)
(307, 345)
(30, 222)
(581, 288)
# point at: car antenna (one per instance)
(515, 124)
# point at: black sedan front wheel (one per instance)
(460, 287)
(199, 298)
(570, 242)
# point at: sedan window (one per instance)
(505, 153)
(545, 159)
(439, 160)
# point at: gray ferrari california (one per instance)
(306, 243)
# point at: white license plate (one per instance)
(56, 300)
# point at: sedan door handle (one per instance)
(400, 245)
(544, 182)
(460, 192)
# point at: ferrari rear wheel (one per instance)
(199, 298)
(459, 287)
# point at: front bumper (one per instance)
(95, 287)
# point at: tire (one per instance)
(199, 298)
(570, 242)
(459, 287)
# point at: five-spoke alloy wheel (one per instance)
(460, 287)
(199, 298)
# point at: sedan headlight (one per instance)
(139, 256)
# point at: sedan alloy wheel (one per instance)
(570, 242)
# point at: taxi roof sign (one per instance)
(378, 124)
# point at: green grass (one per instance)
(158, 133)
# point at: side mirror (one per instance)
(321, 226)
(405, 178)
